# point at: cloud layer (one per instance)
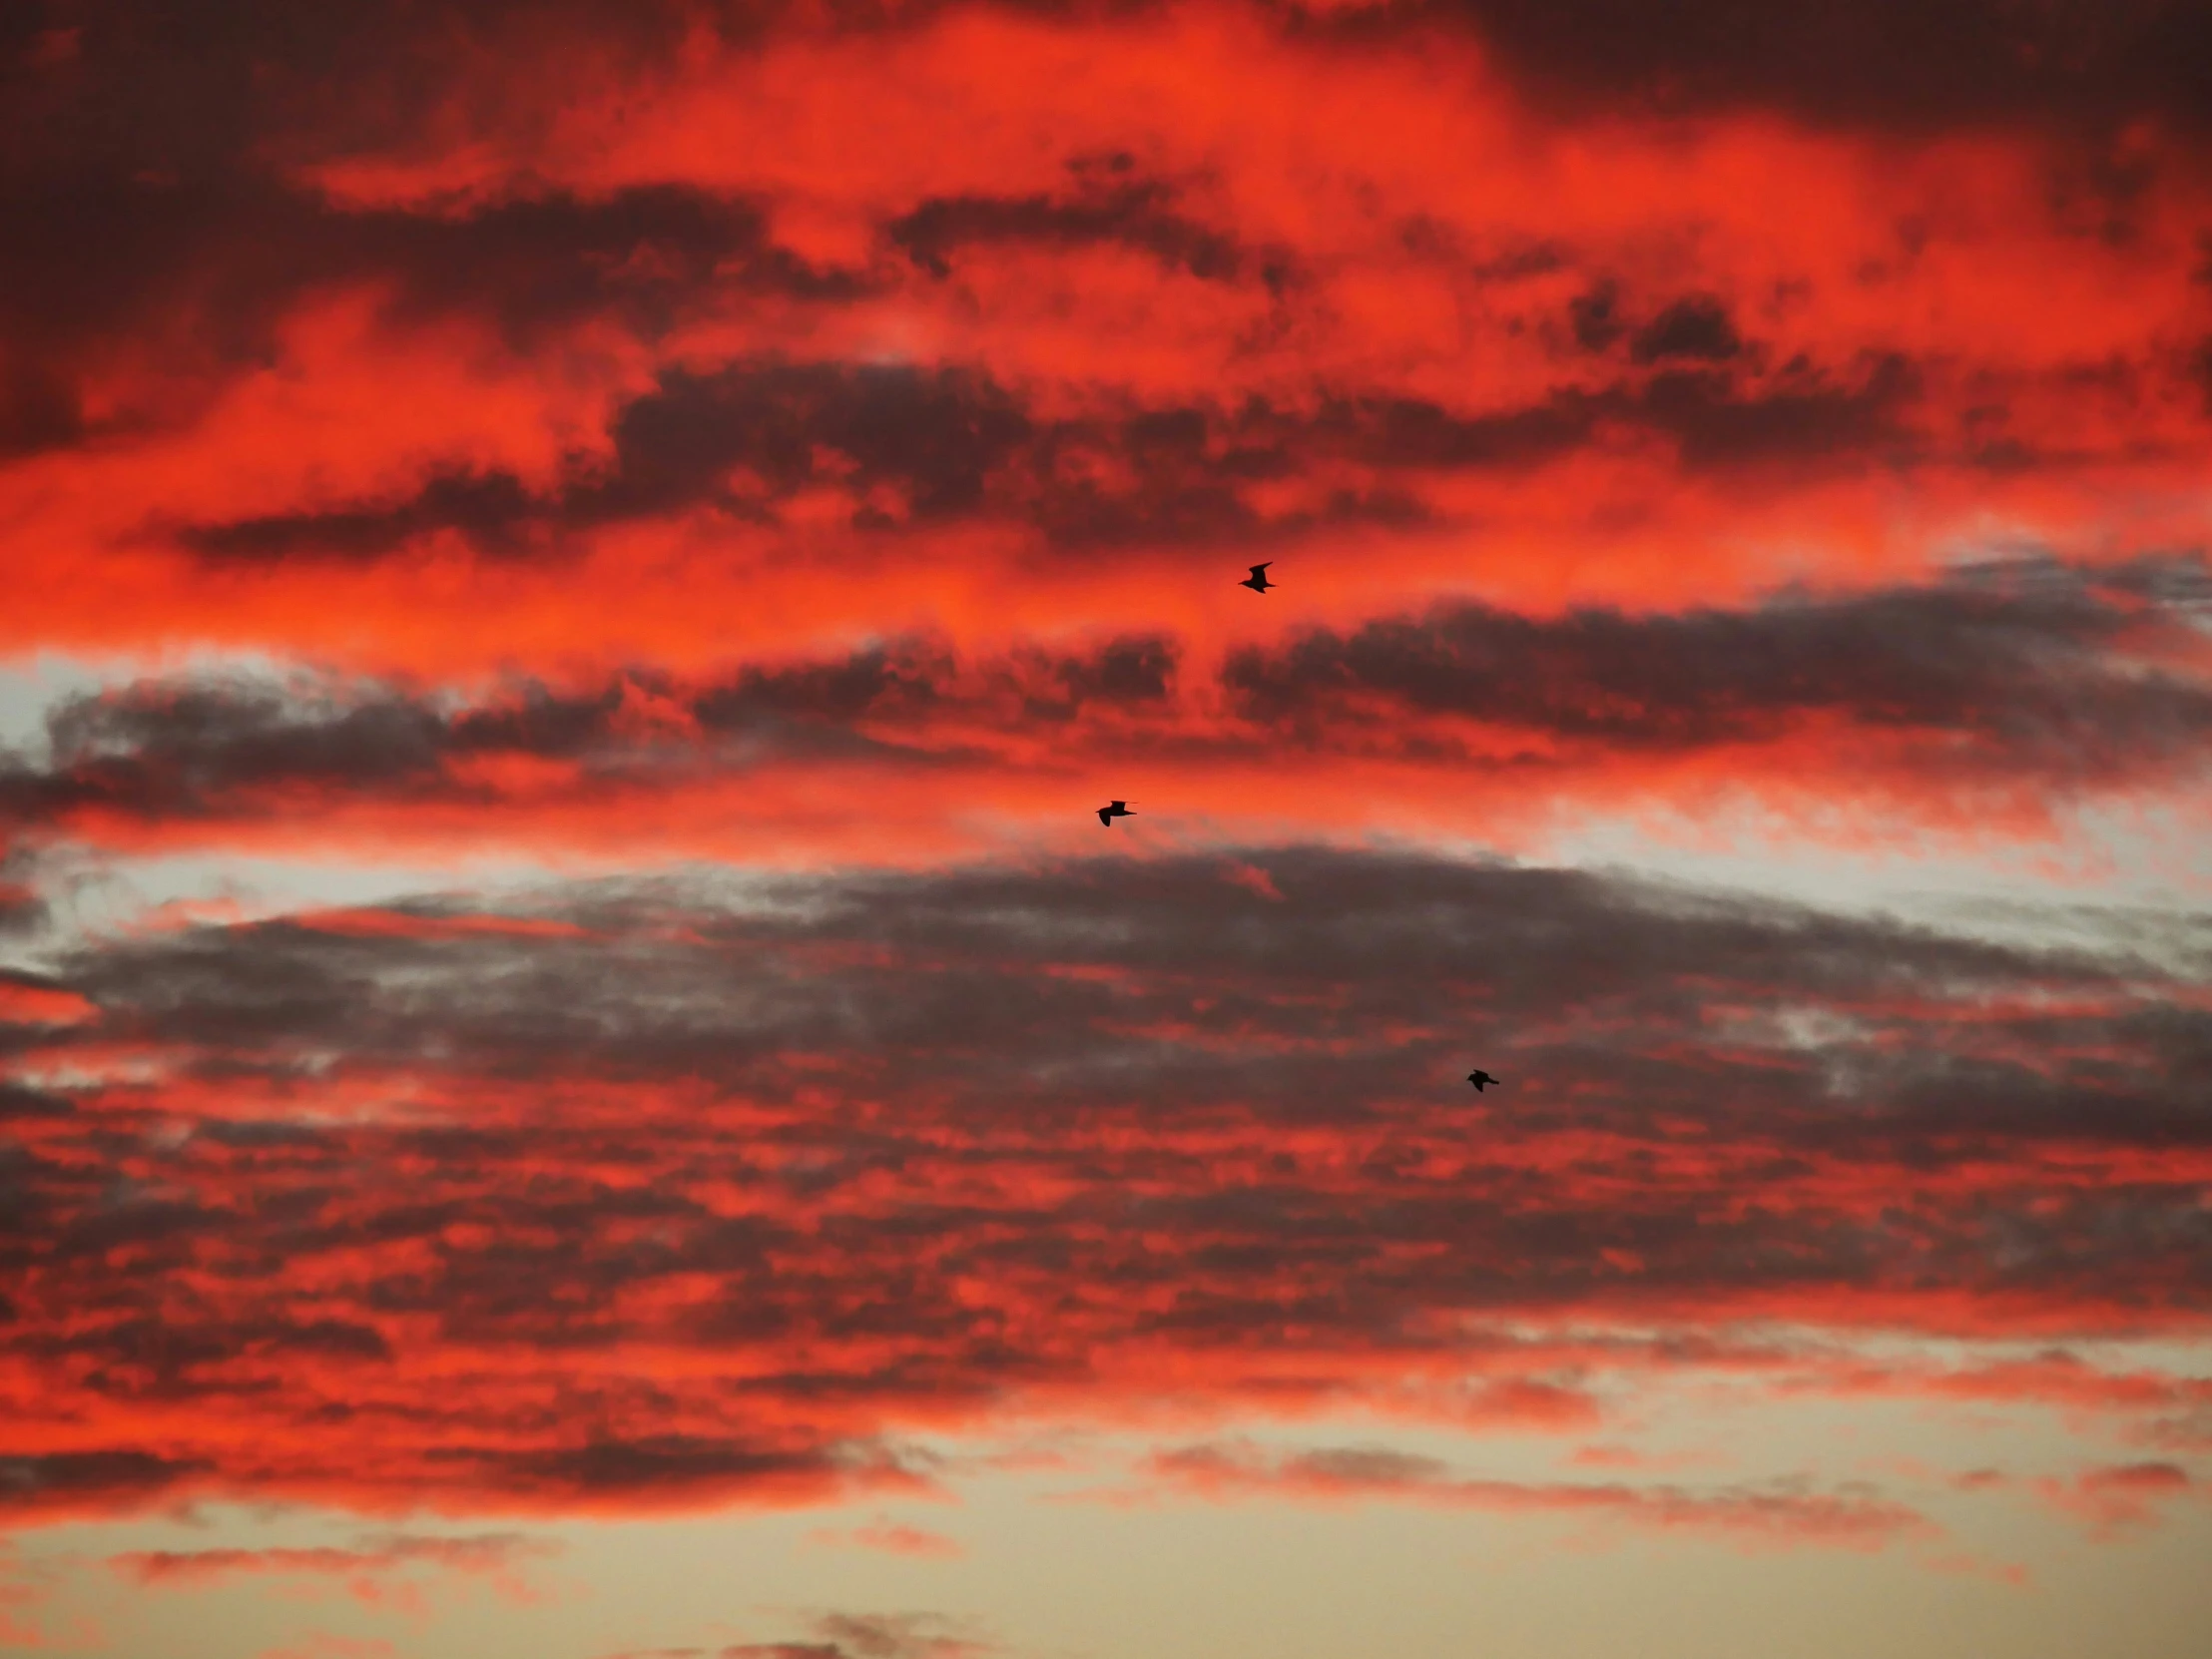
(1988, 703)
(755, 1184)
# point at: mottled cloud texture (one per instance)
(878, 1150)
(576, 574)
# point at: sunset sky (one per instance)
(579, 1078)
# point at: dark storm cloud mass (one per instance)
(896, 1143)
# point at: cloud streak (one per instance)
(367, 1571)
(2003, 694)
(1754, 1518)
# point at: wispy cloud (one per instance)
(1780, 1515)
(369, 1572)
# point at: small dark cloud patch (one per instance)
(1801, 419)
(1410, 433)
(22, 910)
(492, 510)
(874, 1636)
(1696, 328)
(934, 436)
(1139, 216)
(1595, 317)
(90, 1480)
(666, 1467)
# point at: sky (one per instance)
(581, 1079)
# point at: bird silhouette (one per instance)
(1111, 811)
(1258, 581)
(1481, 1079)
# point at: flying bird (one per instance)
(1258, 581)
(1111, 811)
(1481, 1079)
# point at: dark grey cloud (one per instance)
(1892, 64)
(87, 1480)
(2073, 680)
(491, 510)
(1695, 328)
(926, 446)
(1595, 317)
(22, 910)
(2029, 668)
(214, 747)
(874, 1636)
(915, 447)
(1107, 204)
(205, 272)
(1799, 417)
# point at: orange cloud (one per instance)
(368, 1573)
(2120, 1498)
(893, 1540)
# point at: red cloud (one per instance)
(612, 456)
(1991, 703)
(1155, 1139)
(368, 1572)
(632, 365)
